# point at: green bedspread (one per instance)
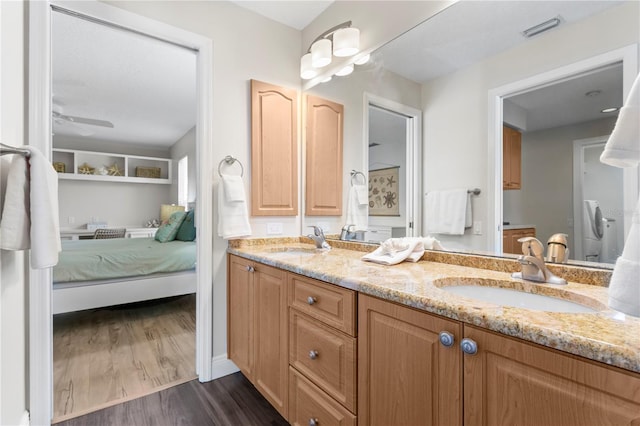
(88, 260)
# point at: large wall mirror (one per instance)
(447, 67)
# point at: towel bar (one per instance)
(230, 160)
(6, 149)
(474, 191)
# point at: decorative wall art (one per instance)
(384, 192)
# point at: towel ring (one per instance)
(355, 174)
(229, 160)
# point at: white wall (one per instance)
(13, 285)
(546, 195)
(186, 145)
(456, 106)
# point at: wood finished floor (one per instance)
(109, 355)
(230, 400)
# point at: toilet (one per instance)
(610, 249)
(592, 231)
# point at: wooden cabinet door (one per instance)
(507, 246)
(514, 382)
(274, 150)
(405, 375)
(511, 158)
(324, 128)
(240, 316)
(271, 336)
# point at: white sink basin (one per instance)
(530, 298)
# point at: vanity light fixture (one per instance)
(544, 26)
(608, 110)
(341, 41)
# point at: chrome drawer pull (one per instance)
(469, 346)
(313, 354)
(446, 338)
(311, 300)
(313, 422)
(250, 269)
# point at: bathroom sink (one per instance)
(507, 293)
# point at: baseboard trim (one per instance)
(222, 366)
(24, 420)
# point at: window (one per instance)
(183, 181)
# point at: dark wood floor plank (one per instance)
(228, 401)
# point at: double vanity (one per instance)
(452, 339)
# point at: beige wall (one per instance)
(13, 284)
(455, 107)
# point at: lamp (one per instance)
(342, 40)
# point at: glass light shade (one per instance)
(363, 59)
(321, 53)
(326, 80)
(345, 71)
(346, 42)
(306, 69)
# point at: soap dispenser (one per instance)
(557, 248)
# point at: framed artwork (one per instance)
(384, 192)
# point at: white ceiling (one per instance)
(145, 87)
(296, 14)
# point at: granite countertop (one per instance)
(607, 336)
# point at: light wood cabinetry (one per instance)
(257, 327)
(511, 158)
(324, 133)
(274, 150)
(322, 352)
(86, 165)
(510, 239)
(405, 375)
(510, 381)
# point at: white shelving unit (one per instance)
(129, 166)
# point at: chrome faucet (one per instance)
(347, 233)
(533, 266)
(318, 238)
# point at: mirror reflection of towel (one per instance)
(447, 212)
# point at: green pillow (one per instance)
(187, 230)
(167, 231)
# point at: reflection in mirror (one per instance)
(447, 69)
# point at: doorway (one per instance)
(392, 144)
(40, 113)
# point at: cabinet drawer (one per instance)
(330, 304)
(308, 404)
(324, 355)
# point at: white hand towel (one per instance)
(431, 243)
(233, 216)
(363, 194)
(30, 214)
(468, 213)
(357, 212)
(623, 147)
(624, 288)
(233, 188)
(396, 250)
(445, 211)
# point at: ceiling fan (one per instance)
(58, 117)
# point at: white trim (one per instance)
(579, 146)
(629, 57)
(413, 155)
(40, 310)
(222, 366)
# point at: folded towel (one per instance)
(30, 213)
(233, 216)
(446, 211)
(624, 288)
(623, 147)
(233, 188)
(357, 212)
(396, 250)
(363, 194)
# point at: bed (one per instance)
(96, 273)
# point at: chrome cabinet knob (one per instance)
(250, 269)
(311, 300)
(313, 354)
(313, 422)
(469, 346)
(446, 338)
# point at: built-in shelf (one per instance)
(87, 165)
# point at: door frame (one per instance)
(413, 222)
(628, 55)
(39, 135)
